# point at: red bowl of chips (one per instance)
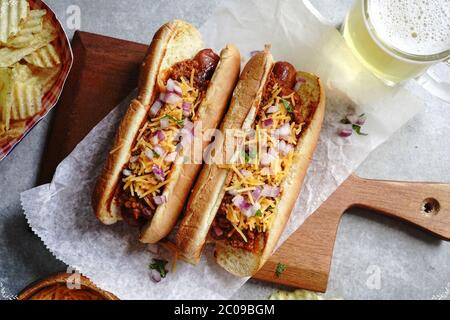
(35, 61)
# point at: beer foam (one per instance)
(412, 26)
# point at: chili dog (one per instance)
(244, 208)
(145, 181)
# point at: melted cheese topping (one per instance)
(259, 176)
(149, 151)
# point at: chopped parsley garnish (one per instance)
(249, 156)
(258, 213)
(160, 266)
(280, 269)
(287, 105)
(155, 154)
(180, 123)
(357, 129)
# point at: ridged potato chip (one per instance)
(45, 57)
(9, 56)
(16, 129)
(5, 96)
(12, 13)
(28, 28)
(27, 100)
(45, 77)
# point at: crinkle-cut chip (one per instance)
(9, 56)
(46, 77)
(27, 100)
(16, 129)
(5, 96)
(28, 28)
(21, 72)
(45, 57)
(12, 13)
(296, 295)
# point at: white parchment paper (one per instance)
(60, 213)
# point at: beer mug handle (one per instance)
(434, 85)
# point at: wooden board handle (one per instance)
(426, 205)
(308, 252)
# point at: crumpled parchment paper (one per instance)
(60, 213)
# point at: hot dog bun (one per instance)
(209, 188)
(176, 41)
(203, 206)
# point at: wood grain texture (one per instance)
(308, 252)
(104, 73)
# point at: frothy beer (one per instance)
(417, 27)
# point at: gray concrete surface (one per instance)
(375, 257)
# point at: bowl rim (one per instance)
(61, 278)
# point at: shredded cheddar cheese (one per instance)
(149, 167)
(256, 175)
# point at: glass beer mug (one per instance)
(401, 39)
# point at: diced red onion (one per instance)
(285, 148)
(268, 123)
(242, 204)
(172, 86)
(154, 140)
(187, 109)
(284, 131)
(161, 136)
(153, 248)
(171, 98)
(218, 231)
(255, 208)
(171, 157)
(238, 200)
(267, 159)
(270, 192)
(134, 159)
(352, 118)
(245, 173)
(256, 194)
(273, 152)
(273, 109)
(146, 212)
(345, 133)
(149, 154)
(159, 151)
(126, 172)
(159, 173)
(159, 200)
(156, 107)
(164, 123)
(188, 125)
(156, 276)
(361, 121)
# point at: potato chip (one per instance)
(27, 100)
(12, 13)
(21, 72)
(5, 96)
(45, 77)
(32, 25)
(45, 57)
(17, 128)
(9, 56)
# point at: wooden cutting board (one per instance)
(106, 70)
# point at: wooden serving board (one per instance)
(106, 70)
